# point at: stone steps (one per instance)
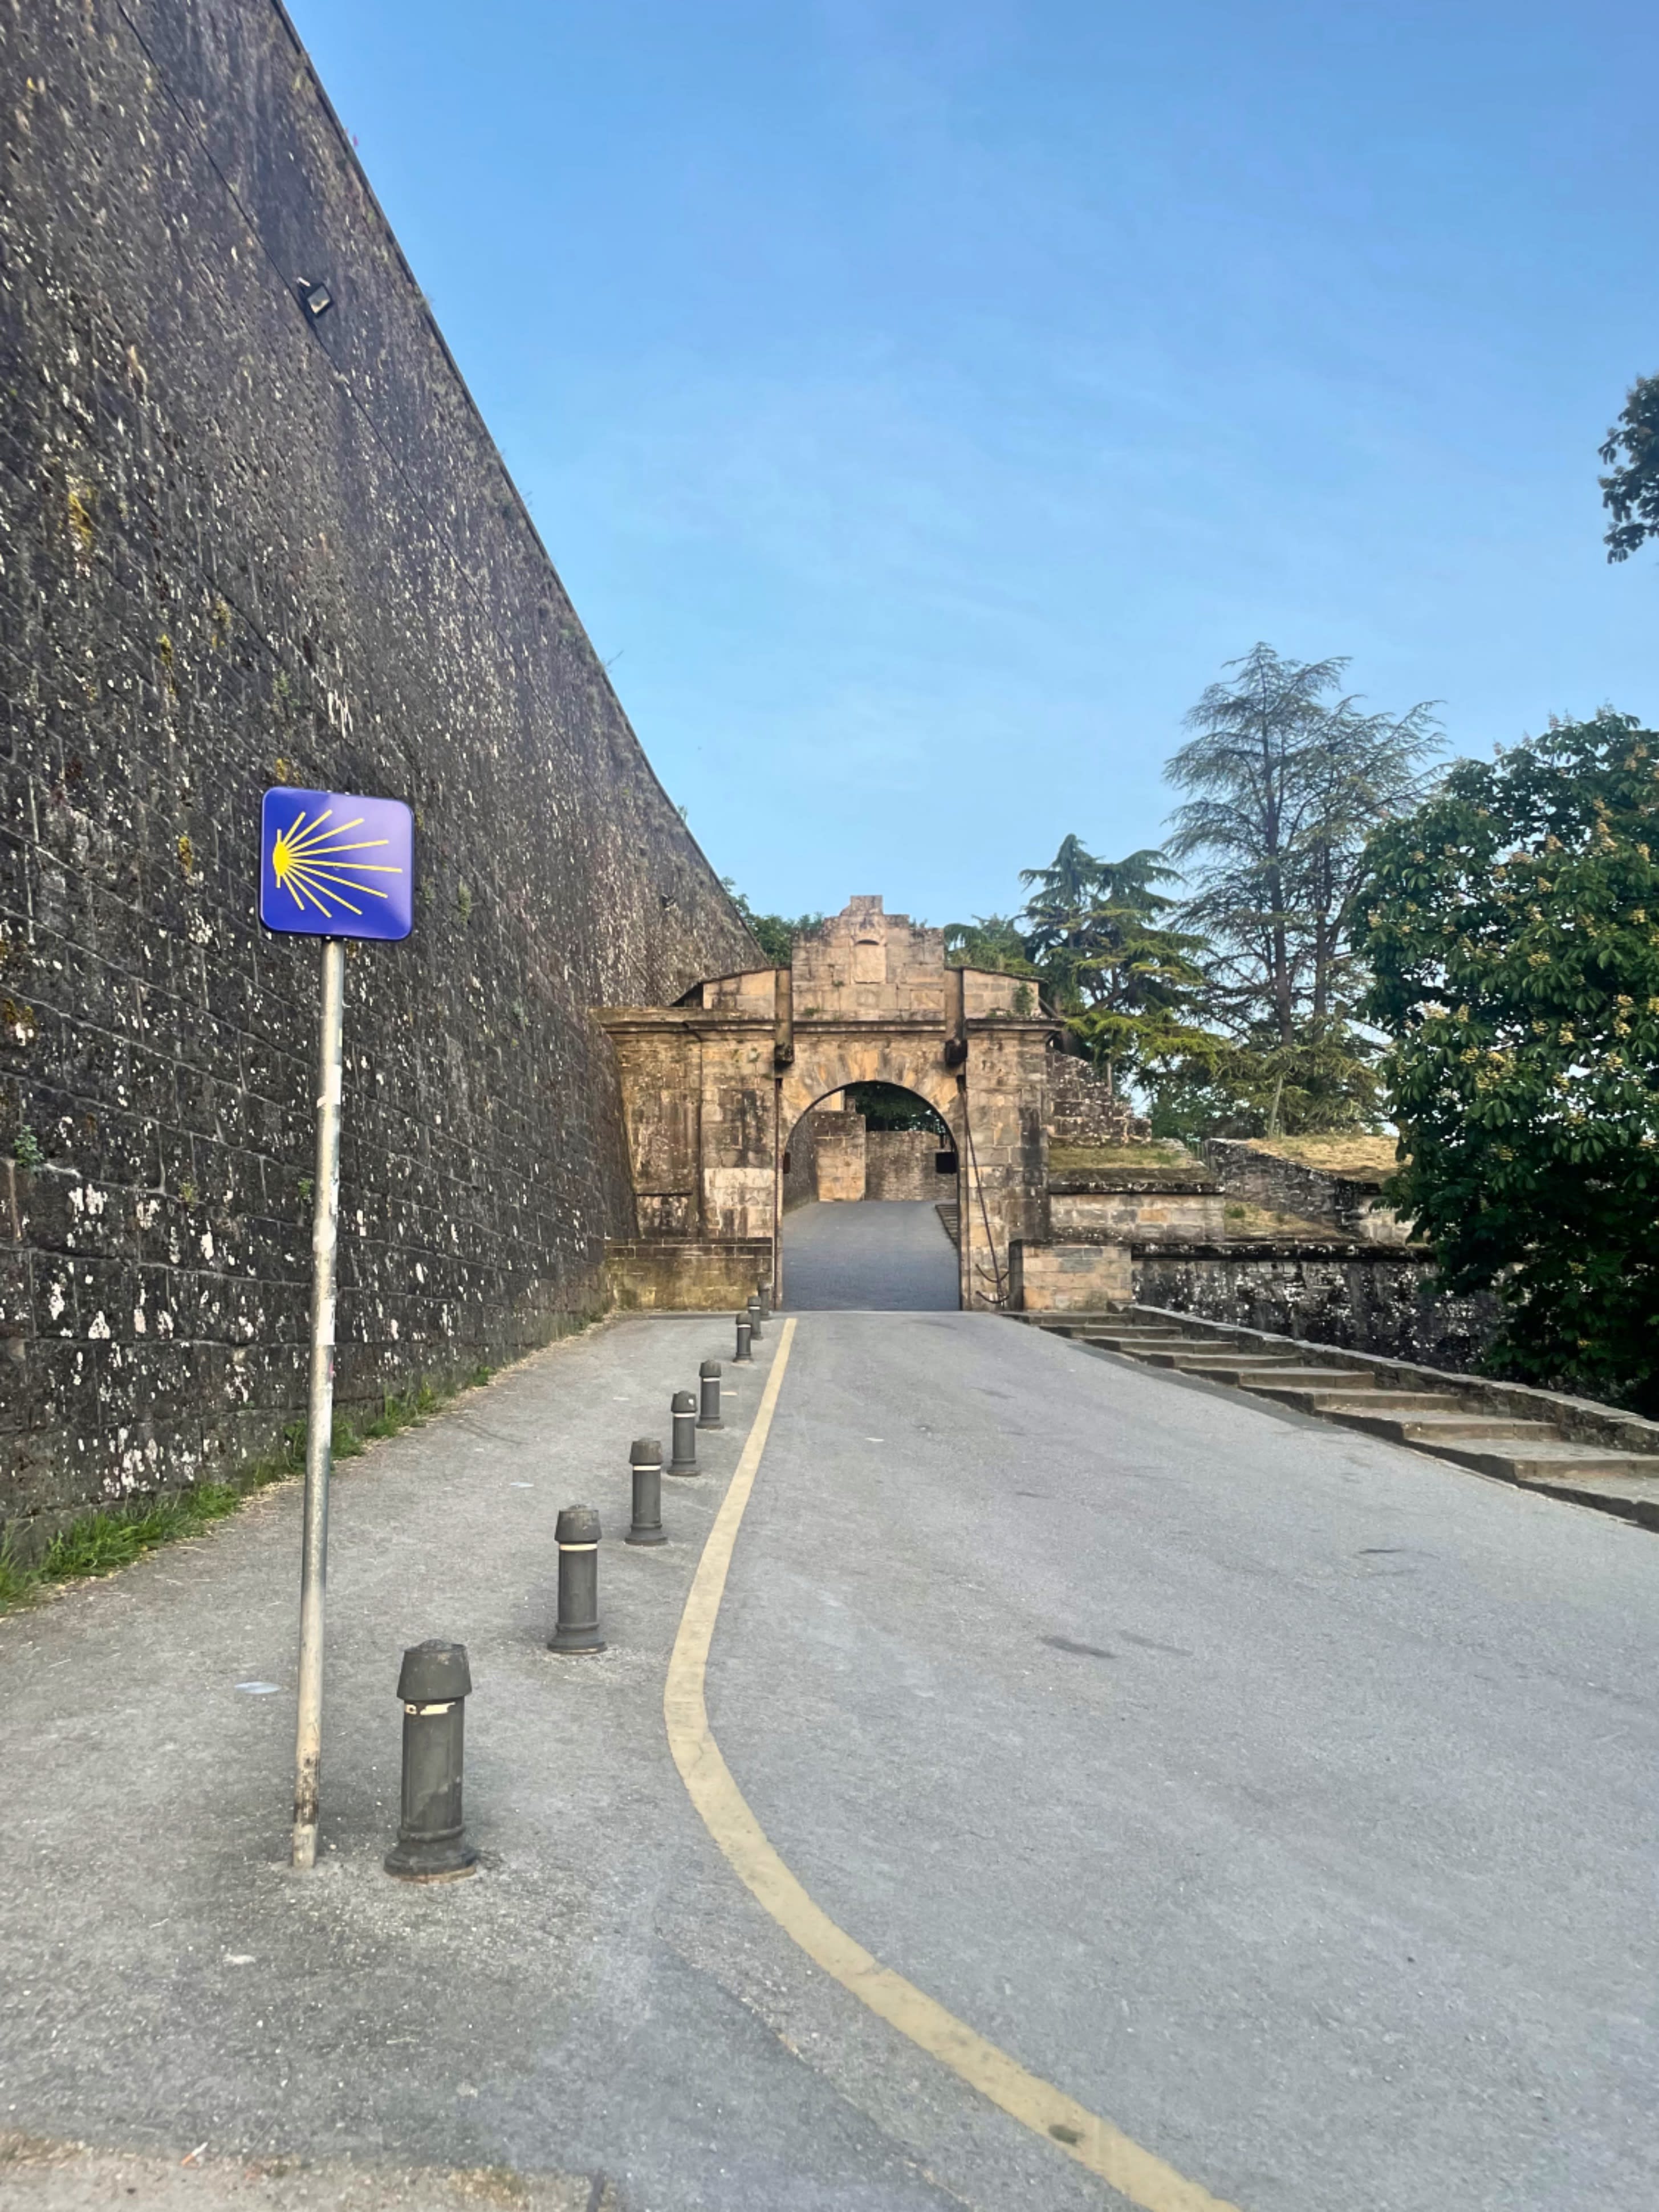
(1517, 1448)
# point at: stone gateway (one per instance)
(713, 1087)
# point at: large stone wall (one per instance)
(240, 548)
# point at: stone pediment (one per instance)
(865, 964)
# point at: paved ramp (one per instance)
(880, 1254)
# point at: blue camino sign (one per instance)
(333, 864)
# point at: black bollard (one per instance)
(755, 1319)
(708, 1378)
(578, 1626)
(745, 1332)
(646, 1459)
(763, 1291)
(435, 1685)
(685, 1410)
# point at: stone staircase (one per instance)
(1467, 1421)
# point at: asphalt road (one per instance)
(878, 1255)
(1286, 1797)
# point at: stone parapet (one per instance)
(1123, 1215)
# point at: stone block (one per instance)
(1060, 1278)
(694, 1275)
(841, 1145)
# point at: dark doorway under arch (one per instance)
(870, 1181)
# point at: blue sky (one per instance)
(921, 401)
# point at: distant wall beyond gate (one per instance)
(903, 1163)
(241, 547)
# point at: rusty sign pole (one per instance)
(319, 1426)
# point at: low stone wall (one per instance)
(903, 1164)
(1190, 1213)
(1068, 1278)
(1356, 1296)
(1348, 1203)
(685, 1275)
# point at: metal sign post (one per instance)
(319, 1421)
(333, 865)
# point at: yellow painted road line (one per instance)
(1137, 2174)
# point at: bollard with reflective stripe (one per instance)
(708, 1379)
(578, 1626)
(646, 1459)
(745, 1333)
(685, 1410)
(435, 1685)
(763, 1292)
(755, 1319)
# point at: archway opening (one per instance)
(870, 1189)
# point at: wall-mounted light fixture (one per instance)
(315, 299)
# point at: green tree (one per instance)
(1256, 1087)
(989, 940)
(1284, 783)
(1099, 934)
(1630, 494)
(1512, 927)
(1093, 937)
(774, 933)
(886, 1106)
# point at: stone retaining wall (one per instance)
(1358, 1297)
(1349, 1204)
(1068, 1278)
(241, 547)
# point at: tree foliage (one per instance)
(1630, 492)
(887, 1106)
(989, 940)
(1316, 1085)
(1285, 781)
(1094, 937)
(1113, 965)
(1512, 927)
(774, 933)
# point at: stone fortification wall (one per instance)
(1133, 1212)
(832, 1155)
(1359, 1297)
(800, 1163)
(1348, 1203)
(1082, 1109)
(241, 547)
